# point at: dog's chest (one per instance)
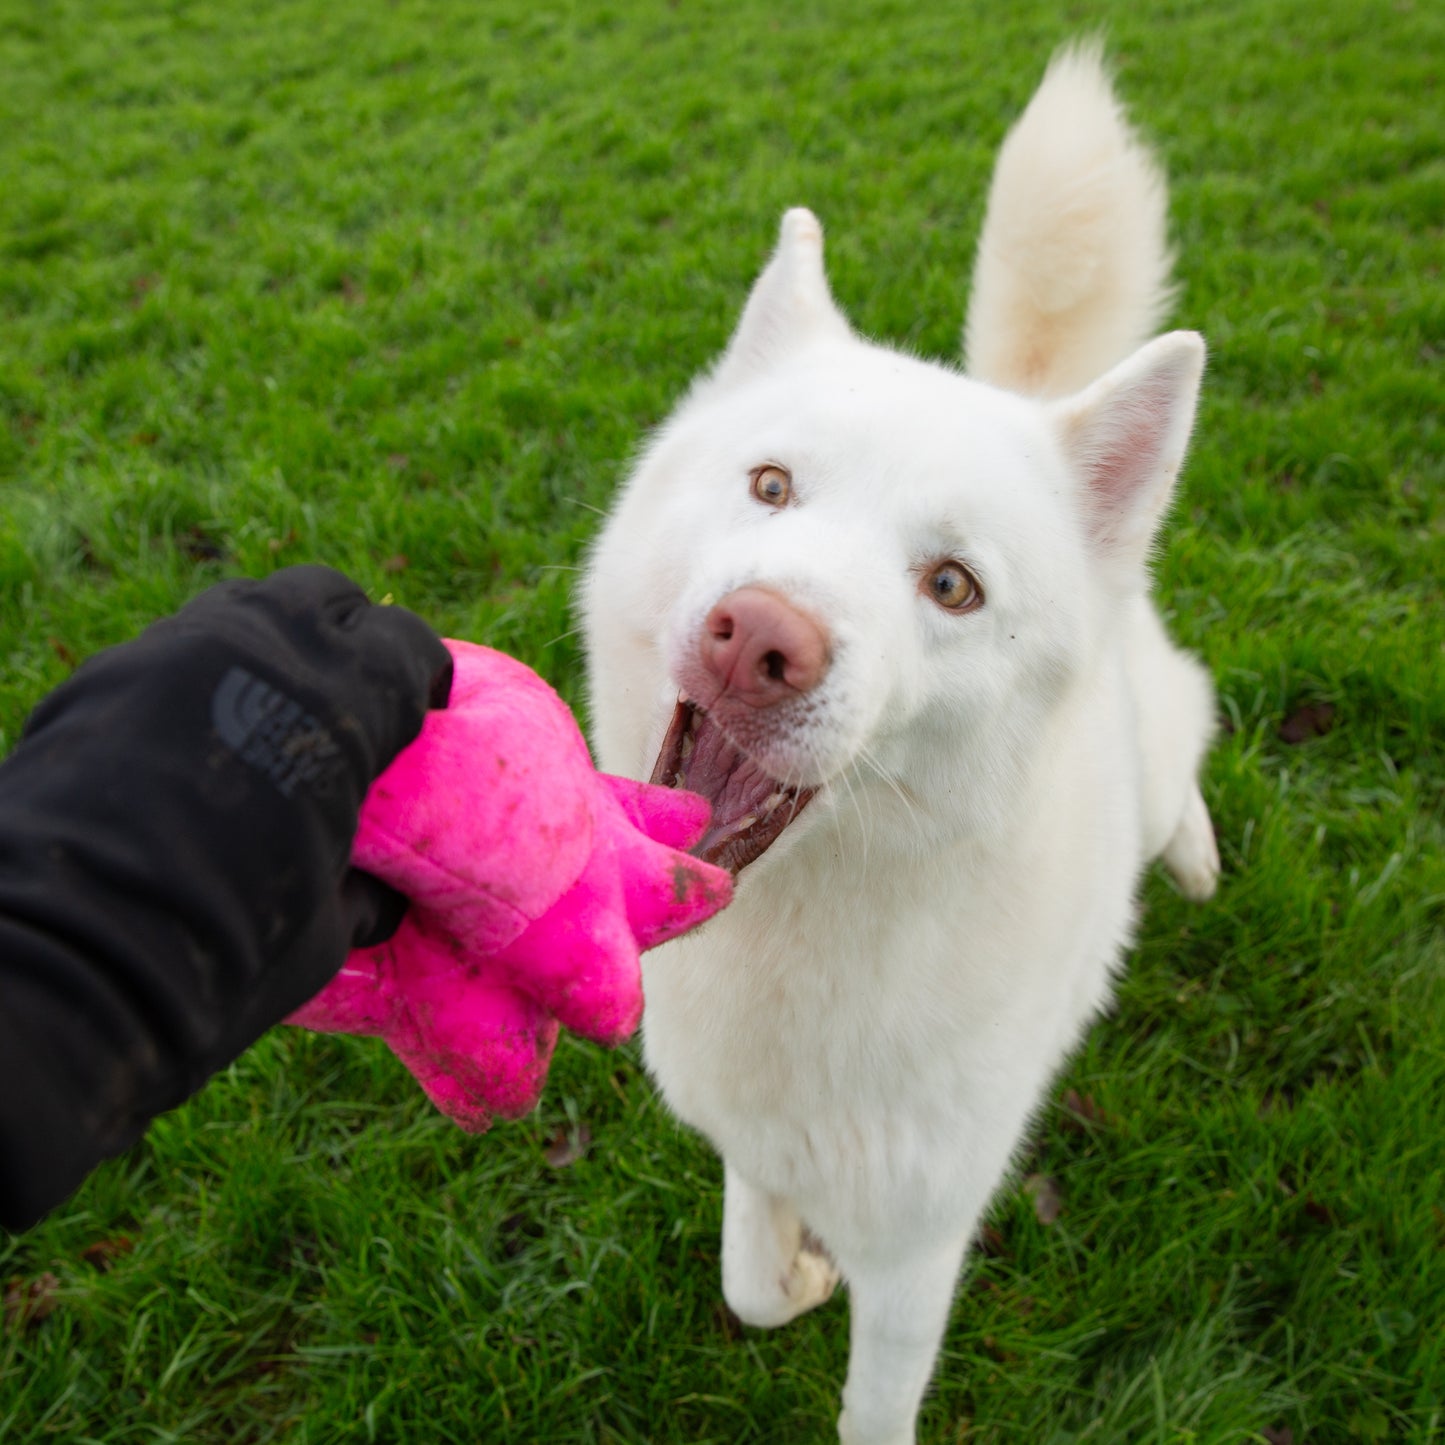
(813, 1023)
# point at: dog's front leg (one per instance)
(899, 1311)
(769, 1275)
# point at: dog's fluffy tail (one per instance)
(1073, 267)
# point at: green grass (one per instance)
(401, 288)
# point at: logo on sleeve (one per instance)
(273, 733)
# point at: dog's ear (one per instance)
(1125, 436)
(790, 303)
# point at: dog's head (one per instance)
(862, 572)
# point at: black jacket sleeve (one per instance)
(175, 828)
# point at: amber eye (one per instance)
(772, 486)
(952, 586)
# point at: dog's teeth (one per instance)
(770, 803)
(688, 743)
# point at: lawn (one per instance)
(401, 288)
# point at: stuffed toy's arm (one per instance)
(534, 884)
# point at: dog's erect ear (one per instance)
(1125, 436)
(790, 303)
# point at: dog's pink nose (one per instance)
(762, 649)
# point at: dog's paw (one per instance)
(1192, 855)
(811, 1281)
(808, 1281)
(852, 1432)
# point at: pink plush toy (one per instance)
(534, 882)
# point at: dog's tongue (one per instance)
(750, 807)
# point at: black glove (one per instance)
(175, 829)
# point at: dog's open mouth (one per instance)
(750, 807)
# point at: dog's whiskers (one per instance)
(910, 803)
(578, 502)
(843, 782)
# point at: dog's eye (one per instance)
(772, 486)
(953, 587)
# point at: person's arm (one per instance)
(175, 828)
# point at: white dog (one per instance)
(894, 620)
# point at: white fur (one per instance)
(865, 1033)
(1073, 268)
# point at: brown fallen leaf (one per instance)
(27, 1302)
(63, 651)
(1048, 1200)
(1310, 720)
(200, 546)
(104, 1252)
(517, 1231)
(1278, 1435)
(567, 1148)
(1275, 1101)
(1082, 1114)
(397, 563)
(991, 1242)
